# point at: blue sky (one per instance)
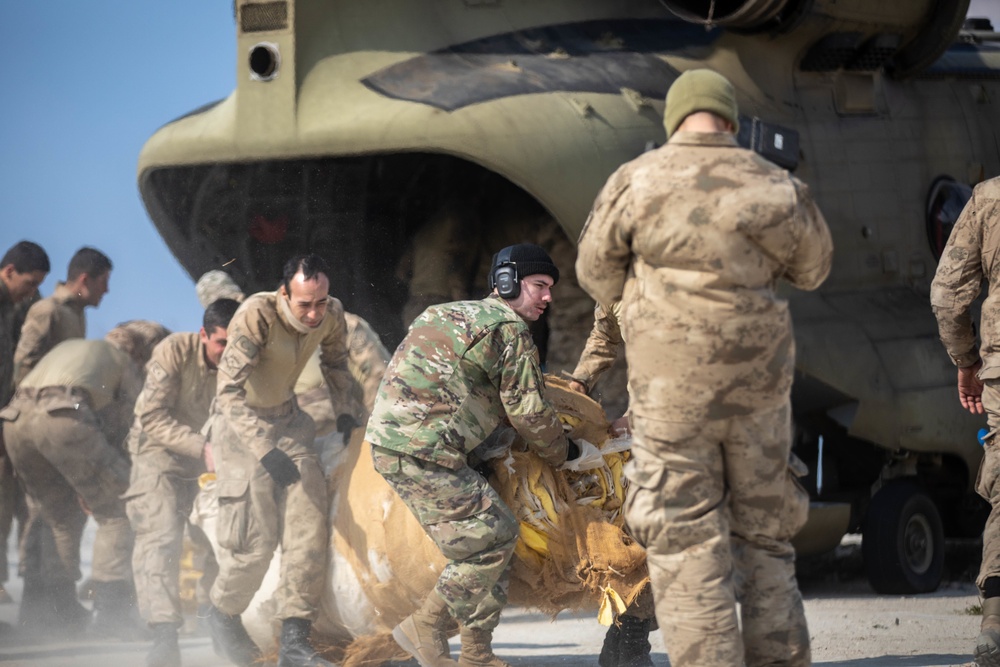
(85, 84)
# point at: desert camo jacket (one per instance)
(173, 406)
(693, 237)
(603, 345)
(971, 255)
(48, 323)
(461, 369)
(266, 352)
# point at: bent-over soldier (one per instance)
(57, 432)
(463, 368)
(270, 484)
(168, 455)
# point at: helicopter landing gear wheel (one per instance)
(903, 540)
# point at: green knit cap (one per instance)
(700, 90)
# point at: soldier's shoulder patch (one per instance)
(232, 364)
(246, 346)
(157, 371)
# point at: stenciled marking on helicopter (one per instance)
(586, 57)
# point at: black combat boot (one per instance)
(230, 639)
(115, 612)
(609, 651)
(295, 649)
(165, 651)
(51, 606)
(633, 644)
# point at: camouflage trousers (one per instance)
(988, 488)
(715, 504)
(471, 525)
(158, 506)
(256, 515)
(62, 458)
(12, 506)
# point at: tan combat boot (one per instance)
(987, 651)
(422, 634)
(477, 649)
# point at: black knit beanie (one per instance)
(529, 259)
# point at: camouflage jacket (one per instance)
(971, 255)
(49, 322)
(693, 237)
(603, 345)
(267, 350)
(462, 368)
(173, 406)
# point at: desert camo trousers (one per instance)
(158, 507)
(715, 504)
(61, 454)
(471, 525)
(256, 515)
(987, 486)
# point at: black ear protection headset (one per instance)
(504, 277)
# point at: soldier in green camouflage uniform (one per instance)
(270, 484)
(22, 269)
(969, 257)
(692, 238)
(462, 369)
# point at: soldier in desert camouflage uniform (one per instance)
(61, 431)
(22, 269)
(626, 643)
(60, 316)
(692, 238)
(461, 370)
(367, 357)
(968, 258)
(215, 285)
(367, 360)
(168, 454)
(270, 484)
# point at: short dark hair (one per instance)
(309, 265)
(218, 314)
(26, 257)
(87, 260)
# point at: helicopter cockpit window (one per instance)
(945, 202)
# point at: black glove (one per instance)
(346, 424)
(281, 468)
(573, 451)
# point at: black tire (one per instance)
(903, 540)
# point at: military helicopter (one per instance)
(348, 120)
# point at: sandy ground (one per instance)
(849, 624)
